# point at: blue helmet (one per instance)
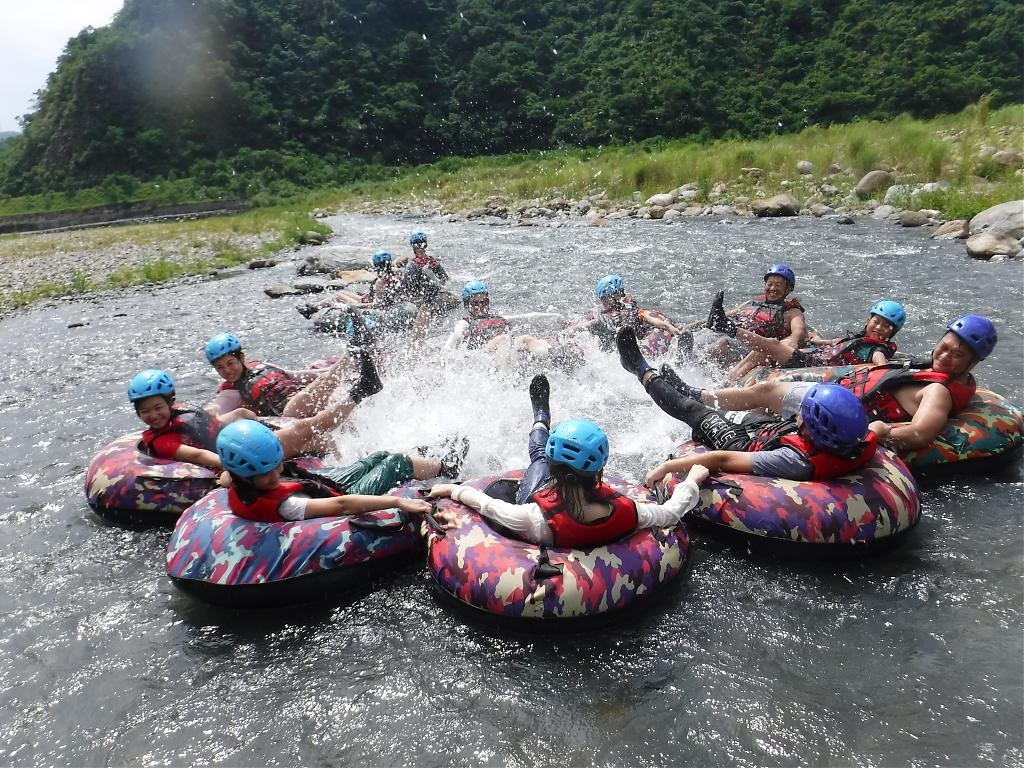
(473, 288)
(978, 333)
(580, 444)
(220, 345)
(149, 382)
(418, 238)
(784, 272)
(891, 311)
(609, 286)
(380, 258)
(248, 448)
(834, 417)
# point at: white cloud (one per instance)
(32, 37)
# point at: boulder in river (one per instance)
(952, 230)
(985, 245)
(279, 290)
(1005, 218)
(913, 218)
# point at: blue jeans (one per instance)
(537, 473)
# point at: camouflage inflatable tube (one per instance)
(848, 516)
(986, 436)
(224, 559)
(529, 585)
(126, 485)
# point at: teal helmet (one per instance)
(892, 312)
(248, 448)
(473, 288)
(580, 444)
(609, 286)
(150, 382)
(220, 345)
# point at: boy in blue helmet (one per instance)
(480, 329)
(826, 435)
(873, 345)
(263, 488)
(423, 283)
(562, 500)
(268, 390)
(617, 310)
(772, 314)
(912, 403)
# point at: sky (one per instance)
(32, 35)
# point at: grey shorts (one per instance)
(792, 399)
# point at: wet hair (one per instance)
(564, 478)
(245, 488)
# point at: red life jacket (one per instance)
(264, 508)
(875, 387)
(766, 318)
(484, 328)
(569, 532)
(825, 465)
(264, 388)
(853, 350)
(194, 426)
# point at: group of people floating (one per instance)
(817, 431)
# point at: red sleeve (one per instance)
(165, 446)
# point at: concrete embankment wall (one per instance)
(110, 215)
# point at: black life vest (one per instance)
(195, 427)
(569, 532)
(853, 350)
(766, 318)
(266, 388)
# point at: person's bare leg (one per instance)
(315, 396)
(314, 435)
(751, 361)
(767, 394)
(424, 467)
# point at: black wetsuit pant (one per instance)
(538, 472)
(710, 427)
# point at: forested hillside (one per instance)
(217, 88)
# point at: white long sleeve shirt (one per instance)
(527, 521)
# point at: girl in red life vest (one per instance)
(178, 433)
(872, 345)
(562, 500)
(253, 458)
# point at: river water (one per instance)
(911, 658)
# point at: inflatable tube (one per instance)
(227, 560)
(127, 486)
(853, 515)
(986, 436)
(657, 342)
(515, 582)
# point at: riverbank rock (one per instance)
(314, 238)
(777, 205)
(663, 200)
(883, 212)
(985, 245)
(1005, 218)
(913, 218)
(331, 259)
(280, 290)
(872, 182)
(805, 167)
(898, 194)
(952, 230)
(820, 209)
